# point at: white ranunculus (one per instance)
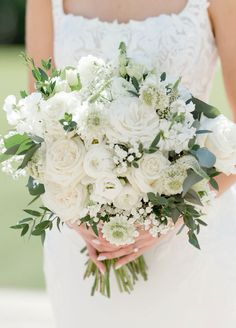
(69, 203)
(97, 161)
(147, 176)
(132, 121)
(88, 67)
(106, 188)
(221, 142)
(64, 161)
(128, 198)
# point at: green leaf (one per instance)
(135, 83)
(122, 47)
(133, 93)
(203, 131)
(204, 108)
(205, 157)
(28, 156)
(181, 229)
(32, 212)
(16, 139)
(214, 184)
(156, 140)
(190, 181)
(58, 224)
(26, 220)
(95, 229)
(192, 197)
(24, 230)
(18, 226)
(35, 189)
(43, 236)
(43, 225)
(193, 239)
(135, 164)
(163, 76)
(201, 222)
(23, 94)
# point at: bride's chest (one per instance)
(182, 45)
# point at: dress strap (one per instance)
(57, 11)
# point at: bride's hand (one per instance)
(131, 252)
(95, 244)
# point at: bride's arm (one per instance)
(223, 16)
(39, 32)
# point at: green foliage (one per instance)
(180, 206)
(37, 223)
(203, 108)
(67, 123)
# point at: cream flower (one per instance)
(127, 199)
(97, 161)
(106, 188)
(221, 142)
(64, 161)
(69, 203)
(131, 121)
(147, 177)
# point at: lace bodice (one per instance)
(181, 44)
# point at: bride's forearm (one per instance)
(225, 182)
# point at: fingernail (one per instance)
(102, 271)
(101, 258)
(118, 266)
(96, 241)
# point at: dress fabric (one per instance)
(186, 287)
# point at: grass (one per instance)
(20, 259)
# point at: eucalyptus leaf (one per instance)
(190, 181)
(205, 157)
(193, 239)
(203, 108)
(192, 197)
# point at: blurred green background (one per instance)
(20, 259)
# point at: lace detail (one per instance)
(180, 44)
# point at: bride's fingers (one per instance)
(130, 257)
(93, 255)
(118, 253)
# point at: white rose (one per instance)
(64, 161)
(88, 67)
(127, 199)
(221, 142)
(131, 121)
(97, 161)
(148, 175)
(106, 188)
(69, 203)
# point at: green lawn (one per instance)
(21, 260)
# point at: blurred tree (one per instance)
(12, 21)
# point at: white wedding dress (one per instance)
(186, 287)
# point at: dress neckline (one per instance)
(130, 21)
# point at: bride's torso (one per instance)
(181, 44)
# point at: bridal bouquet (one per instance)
(119, 148)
